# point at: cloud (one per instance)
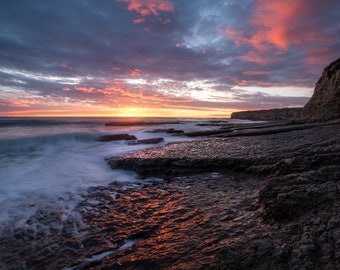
(276, 26)
(146, 8)
(108, 53)
(135, 72)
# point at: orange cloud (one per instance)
(147, 8)
(254, 72)
(277, 24)
(135, 72)
(85, 89)
(274, 22)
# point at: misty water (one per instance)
(50, 162)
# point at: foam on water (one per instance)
(51, 170)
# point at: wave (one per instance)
(4, 123)
(30, 144)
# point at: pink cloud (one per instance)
(147, 8)
(254, 72)
(85, 89)
(135, 72)
(275, 21)
(278, 25)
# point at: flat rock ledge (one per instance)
(299, 198)
(267, 198)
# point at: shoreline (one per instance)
(250, 198)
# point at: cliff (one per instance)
(323, 105)
(325, 102)
(268, 115)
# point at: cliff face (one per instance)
(269, 115)
(323, 105)
(325, 102)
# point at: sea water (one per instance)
(50, 162)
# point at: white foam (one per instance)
(97, 257)
(94, 258)
(128, 244)
(53, 173)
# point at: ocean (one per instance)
(51, 162)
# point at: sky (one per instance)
(166, 58)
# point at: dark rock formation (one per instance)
(168, 130)
(323, 105)
(325, 102)
(147, 141)
(116, 137)
(268, 115)
(140, 123)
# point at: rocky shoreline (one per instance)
(262, 196)
(244, 196)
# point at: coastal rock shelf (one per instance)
(253, 150)
(297, 172)
(269, 201)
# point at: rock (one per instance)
(140, 123)
(147, 141)
(263, 247)
(269, 115)
(323, 105)
(116, 137)
(168, 130)
(207, 132)
(325, 102)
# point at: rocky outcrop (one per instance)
(116, 137)
(269, 115)
(323, 105)
(147, 141)
(167, 130)
(128, 123)
(325, 102)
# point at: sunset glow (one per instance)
(167, 58)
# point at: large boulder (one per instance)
(325, 102)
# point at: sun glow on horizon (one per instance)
(123, 112)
